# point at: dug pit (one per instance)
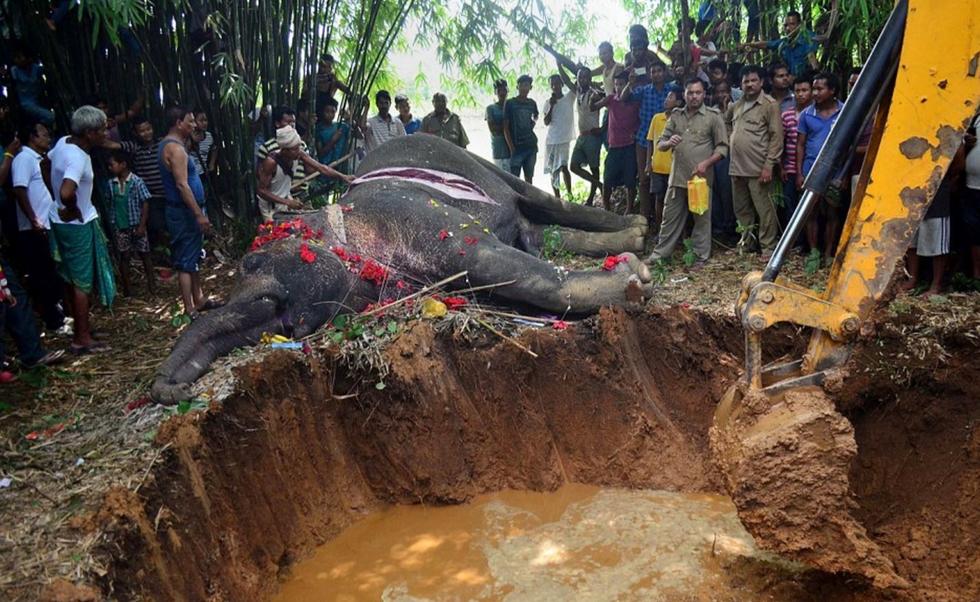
(302, 450)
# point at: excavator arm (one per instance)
(776, 433)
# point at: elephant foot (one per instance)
(634, 266)
(639, 221)
(169, 394)
(636, 291)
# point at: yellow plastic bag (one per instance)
(698, 195)
(433, 308)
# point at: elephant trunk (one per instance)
(238, 324)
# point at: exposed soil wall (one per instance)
(300, 451)
(249, 487)
(917, 476)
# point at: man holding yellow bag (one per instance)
(697, 135)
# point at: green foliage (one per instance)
(553, 247)
(110, 16)
(40, 377)
(813, 262)
(186, 406)
(474, 40)
(659, 271)
(964, 284)
(177, 317)
(347, 327)
(689, 257)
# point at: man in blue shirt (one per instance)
(412, 124)
(797, 49)
(652, 97)
(814, 126)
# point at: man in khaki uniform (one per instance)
(697, 135)
(444, 123)
(756, 128)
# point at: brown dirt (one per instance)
(244, 490)
(917, 475)
(249, 487)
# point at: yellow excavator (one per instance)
(777, 437)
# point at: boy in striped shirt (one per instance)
(128, 214)
(803, 93)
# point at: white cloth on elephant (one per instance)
(453, 185)
(280, 186)
(556, 157)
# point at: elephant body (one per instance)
(420, 210)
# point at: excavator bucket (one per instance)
(777, 437)
(786, 462)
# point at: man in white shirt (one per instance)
(78, 245)
(559, 116)
(381, 127)
(33, 222)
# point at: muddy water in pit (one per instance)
(579, 542)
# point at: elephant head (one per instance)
(282, 289)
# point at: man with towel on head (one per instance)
(274, 179)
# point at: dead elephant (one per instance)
(419, 211)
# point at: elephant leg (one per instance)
(430, 242)
(542, 208)
(596, 244)
(551, 288)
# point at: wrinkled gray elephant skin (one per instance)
(396, 233)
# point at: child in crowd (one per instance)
(331, 140)
(128, 214)
(624, 117)
(559, 116)
(658, 162)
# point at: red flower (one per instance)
(346, 208)
(306, 254)
(374, 272)
(462, 252)
(471, 240)
(137, 404)
(612, 261)
(559, 324)
(402, 285)
(443, 235)
(454, 303)
(340, 252)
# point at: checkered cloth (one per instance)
(651, 102)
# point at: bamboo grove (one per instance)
(225, 57)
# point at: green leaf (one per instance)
(379, 331)
(4, 406)
(184, 406)
(392, 327)
(380, 385)
(337, 337)
(812, 264)
(340, 322)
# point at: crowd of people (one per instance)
(752, 132)
(81, 208)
